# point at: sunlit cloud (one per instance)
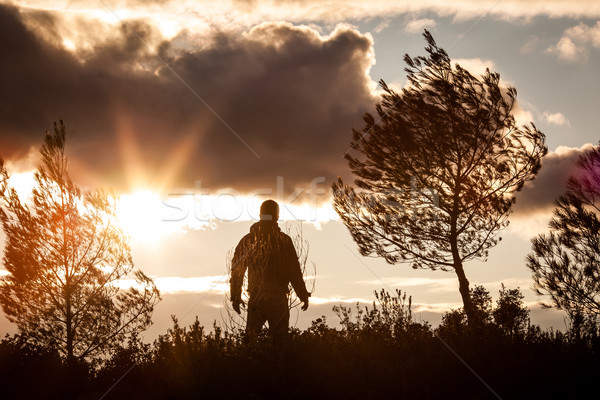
(217, 284)
(429, 284)
(576, 43)
(201, 15)
(383, 25)
(475, 66)
(556, 118)
(438, 308)
(228, 205)
(422, 284)
(509, 283)
(418, 25)
(147, 216)
(522, 115)
(141, 125)
(567, 50)
(339, 300)
(527, 226)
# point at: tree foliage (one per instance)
(566, 261)
(510, 314)
(437, 167)
(66, 255)
(509, 318)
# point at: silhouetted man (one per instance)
(272, 263)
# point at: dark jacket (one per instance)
(272, 263)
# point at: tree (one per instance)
(438, 168)
(66, 256)
(566, 261)
(510, 313)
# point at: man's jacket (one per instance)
(270, 258)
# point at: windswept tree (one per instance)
(437, 168)
(67, 258)
(566, 261)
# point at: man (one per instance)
(272, 263)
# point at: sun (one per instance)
(140, 214)
(23, 183)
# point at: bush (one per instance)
(377, 350)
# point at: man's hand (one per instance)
(236, 305)
(304, 304)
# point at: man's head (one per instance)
(269, 211)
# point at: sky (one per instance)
(193, 112)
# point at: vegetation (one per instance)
(376, 351)
(437, 168)
(65, 255)
(566, 261)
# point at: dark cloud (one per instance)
(550, 183)
(289, 93)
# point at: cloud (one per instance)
(285, 93)
(205, 14)
(576, 42)
(475, 66)
(383, 25)
(522, 116)
(418, 25)
(555, 118)
(529, 45)
(438, 308)
(218, 284)
(431, 284)
(535, 202)
(339, 299)
(567, 50)
(557, 166)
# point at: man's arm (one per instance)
(238, 270)
(295, 273)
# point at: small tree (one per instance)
(65, 255)
(438, 168)
(481, 305)
(566, 261)
(510, 313)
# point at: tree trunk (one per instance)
(463, 283)
(463, 287)
(69, 329)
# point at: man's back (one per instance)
(270, 258)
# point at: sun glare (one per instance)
(140, 214)
(23, 183)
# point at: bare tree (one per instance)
(438, 168)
